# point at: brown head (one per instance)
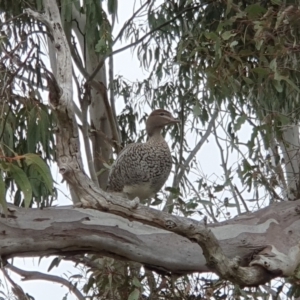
(158, 119)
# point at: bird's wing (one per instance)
(128, 168)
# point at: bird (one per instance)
(141, 169)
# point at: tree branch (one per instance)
(255, 238)
(112, 96)
(98, 86)
(139, 40)
(198, 146)
(33, 275)
(192, 154)
(130, 20)
(211, 213)
(16, 289)
(85, 102)
(226, 173)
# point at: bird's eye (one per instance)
(162, 114)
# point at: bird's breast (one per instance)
(142, 191)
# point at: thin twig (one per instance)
(33, 275)
(92, 76)
(77, 111)
(226, 173)
(241, 198)
(85, 102)
(16, 289)
(211, 213)
(198, 146)
(181, 137)
(129, 21)
(111, 94)
(192, 154)
(99, 86)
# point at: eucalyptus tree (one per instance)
(228, 69)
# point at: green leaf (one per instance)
(229, 6)
(197, 110)
(112, 6)
(174, 191)
(54, 263)
(44, 128)
(77, 4)
(8, 137)
(261, 71)
(233, 44)
(205, 202)
(110, 280)
(273, 65)
(219, 188)
(35, 181)
(285, 120)
(156, 202)
(259, 43)
(247, 167)
(247, 80)
(204, 116)
(251, 200)
(39, 5)
(101, 171)
(134, 295)
(22, 182)
(200, 181)
(2, 196)
(239, 122)
(211, 36)
(66, 10)
(33, 131)
(101, 46)
(41, 167)
(278, 86)
(227, 35)
(291, 83)
(192, 204)
(107, 166)
(231, 205)
(136, 282)
(255, 10)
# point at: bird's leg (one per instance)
(135, 202)
(148, 202)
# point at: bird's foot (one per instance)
(135, 203)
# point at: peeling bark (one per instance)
(267, 240)
(290, 149)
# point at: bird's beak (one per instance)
(176, 121)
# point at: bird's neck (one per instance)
(155, 136)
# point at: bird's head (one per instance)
(158, 119)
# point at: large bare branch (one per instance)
(267, 240)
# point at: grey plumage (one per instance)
(141, 169)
